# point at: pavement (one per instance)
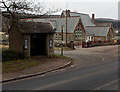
(52, 65)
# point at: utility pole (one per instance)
(62, 40)
(66, 28)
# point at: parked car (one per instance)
(4, 42)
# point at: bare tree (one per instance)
(16, 7)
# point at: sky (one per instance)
(101, 8)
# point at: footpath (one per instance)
(47, 66)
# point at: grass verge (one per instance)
(18, 65)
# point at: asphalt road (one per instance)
(84, 75)
(104, 76)
(84, 57)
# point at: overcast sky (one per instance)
(101, 8)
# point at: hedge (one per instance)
(11, 55)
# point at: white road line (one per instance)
(71, 79)
(106, 85)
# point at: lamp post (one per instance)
(62, 40)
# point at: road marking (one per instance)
(106, 85)
(72, 79)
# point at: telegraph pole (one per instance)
(67, 3)
(66, 28)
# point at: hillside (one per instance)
(116, 23)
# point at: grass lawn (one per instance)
(18, 65)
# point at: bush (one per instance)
(11, 55)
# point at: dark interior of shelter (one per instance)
(38, 44)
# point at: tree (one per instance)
(16, 8)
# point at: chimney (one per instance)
(68, 13)
(93, 18)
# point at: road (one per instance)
(103, 76)
(84, 57)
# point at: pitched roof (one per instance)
(1, 23)
(71, 21)
(85, 18)
(71, 24)
(97, 31)
(106, 24)
(90, 27)
(32, 27)
(58, 22)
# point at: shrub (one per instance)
(11, 55)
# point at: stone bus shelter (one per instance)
(32, 38)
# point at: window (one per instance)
(80, 36)
(59, 37)
(76, 36)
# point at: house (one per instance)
(93, 31)
(32, 38)
(85, 21)
(0, 22)
(99, 33)
(107, 29)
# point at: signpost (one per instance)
(62, 40)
